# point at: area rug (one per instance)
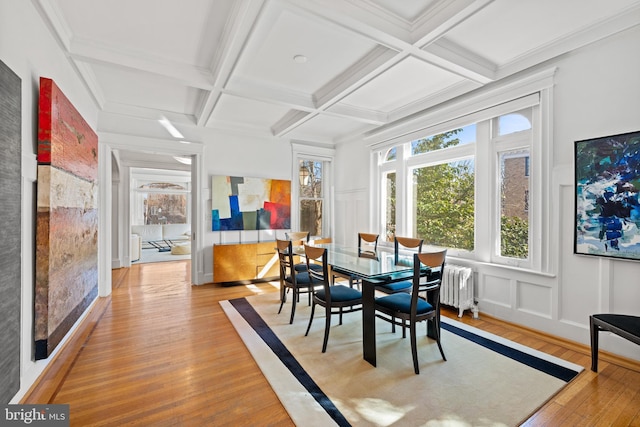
(486, 380)
(153, 255)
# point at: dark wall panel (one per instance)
(10, 242)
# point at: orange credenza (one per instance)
(245, 262)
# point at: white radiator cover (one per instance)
(457, 288)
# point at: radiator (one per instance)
(457, 288)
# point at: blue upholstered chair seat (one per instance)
(301, 278)
(340, 293)
(401, 302)
(391, 288)
(303, 267)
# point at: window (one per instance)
(514, 204)
(389, 197)
(473, 173)
(310, 188)
(157, 199)
(311, 196)
(443, 204)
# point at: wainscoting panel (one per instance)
(10, 250)
(496, 290)
(535, 299)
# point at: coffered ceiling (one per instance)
(320, 71)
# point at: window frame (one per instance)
(146, 176)
(302, 152)
(513, 142)
(485, 152)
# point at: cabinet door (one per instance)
(267, 260)
(234, 262)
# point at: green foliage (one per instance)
(444, 197)
(514, 237)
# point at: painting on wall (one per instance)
(241, 203)
(67, 218)
(607, 174)
(10, 232)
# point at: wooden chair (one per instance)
(367, 248)
(368, 243)
(298, 236)
(400, 243)
(290, 279)
(402, 308)
(322, 240)
(331, 297)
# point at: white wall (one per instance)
(352, 198)
(596, 93)
(237, 155)
(29, 50)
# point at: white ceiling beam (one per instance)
(373, 64)
(442, 17)
(237, 30)
(290, 121)
(254, 90)
(148, 113)
(461, 61)
(189, 75)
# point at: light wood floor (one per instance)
(160, 352)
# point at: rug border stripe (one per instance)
(252, 317)
(549, 367)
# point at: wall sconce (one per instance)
(304, 176)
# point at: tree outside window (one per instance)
(311, 196)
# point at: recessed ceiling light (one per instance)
(183, 159)
(170, 128)
(300, 59)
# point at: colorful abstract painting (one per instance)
(240, 203)
(11, 231)
(67, 218)
(607, 206)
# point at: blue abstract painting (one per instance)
(607, 206)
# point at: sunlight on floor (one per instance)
(382, 413)
(256, 290)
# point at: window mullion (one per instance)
(485, 193)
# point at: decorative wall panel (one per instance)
(11, 247)
(67, 219)
(240, 203)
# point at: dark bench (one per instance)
(625, 326)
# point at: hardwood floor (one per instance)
(162, 352)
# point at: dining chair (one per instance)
(401, 243)
(367, 248)
(342, 298)
(290, 279)
(368, 243)
(404, 308)
(297, 236)
(321, 240)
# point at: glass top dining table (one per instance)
(373, 269)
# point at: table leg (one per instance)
(431, 328)
(368, 322)
(594, 329)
